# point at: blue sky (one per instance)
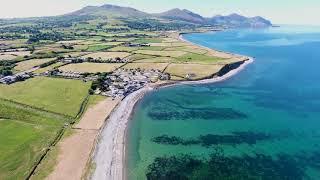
(279, 11)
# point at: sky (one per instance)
(278, 11)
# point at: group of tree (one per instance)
(52, 36)
(154, 25)
(48, 63)
(6, 67)
(99, 83)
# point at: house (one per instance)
(191, 75)
(14, 78)
(136, 44)
(8, 80)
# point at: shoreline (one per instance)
(180, 37)
(110, 152)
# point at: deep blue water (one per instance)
(265, 120)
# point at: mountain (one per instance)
(232, 20)
(109, 11)
(236, 20)
(182, 15)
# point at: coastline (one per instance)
(109, 154)
(180, 37)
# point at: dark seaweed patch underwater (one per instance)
(212, 139)
(200, 113)
(220, 167)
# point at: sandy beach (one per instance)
(109, 156)
(110, 152)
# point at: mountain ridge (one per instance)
(232, 20)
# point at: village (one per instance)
(15, 78)
(116, 84)
(122, 82)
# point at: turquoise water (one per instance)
(263, 123)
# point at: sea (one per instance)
(262, 123)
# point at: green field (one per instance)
(146, 66)
(24, 135)
(99, 47)
(161, 53)
(52, 66)
(27, 65)
(157, 60)
(148, 40)
(62, 96)
(199, 70)
(198, 58)
(91, 67)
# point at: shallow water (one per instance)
(269, 110)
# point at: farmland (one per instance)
(7, 57)
(13, 55)
(161, 53)
(90, 67)
(51, 94)
(146, 66)
(107, 55)
(48, 68)
(200, 71)
(24, 134)
(29, 64)
(156, 60)
(198, 58)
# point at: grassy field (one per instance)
(157, 60)
(162, 53)
(91, 67)
(152, 48)
(21, 53)
(201, 71)
(98, 47)
(146, 66)
(95, 99)
(107, 55)
(24, 136)
(169, 40)
(162, 44)
(29, 64)
(148, 40)
(80, 47)
(7, 57)
(71, 42)
(75, 54)
(124, 49)
(112, 43)
(191, 49)
(52, 66)
(44, 50)
(135, 57)
(131, 49)
(177, 44)
(198, 58)
(52, 94)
